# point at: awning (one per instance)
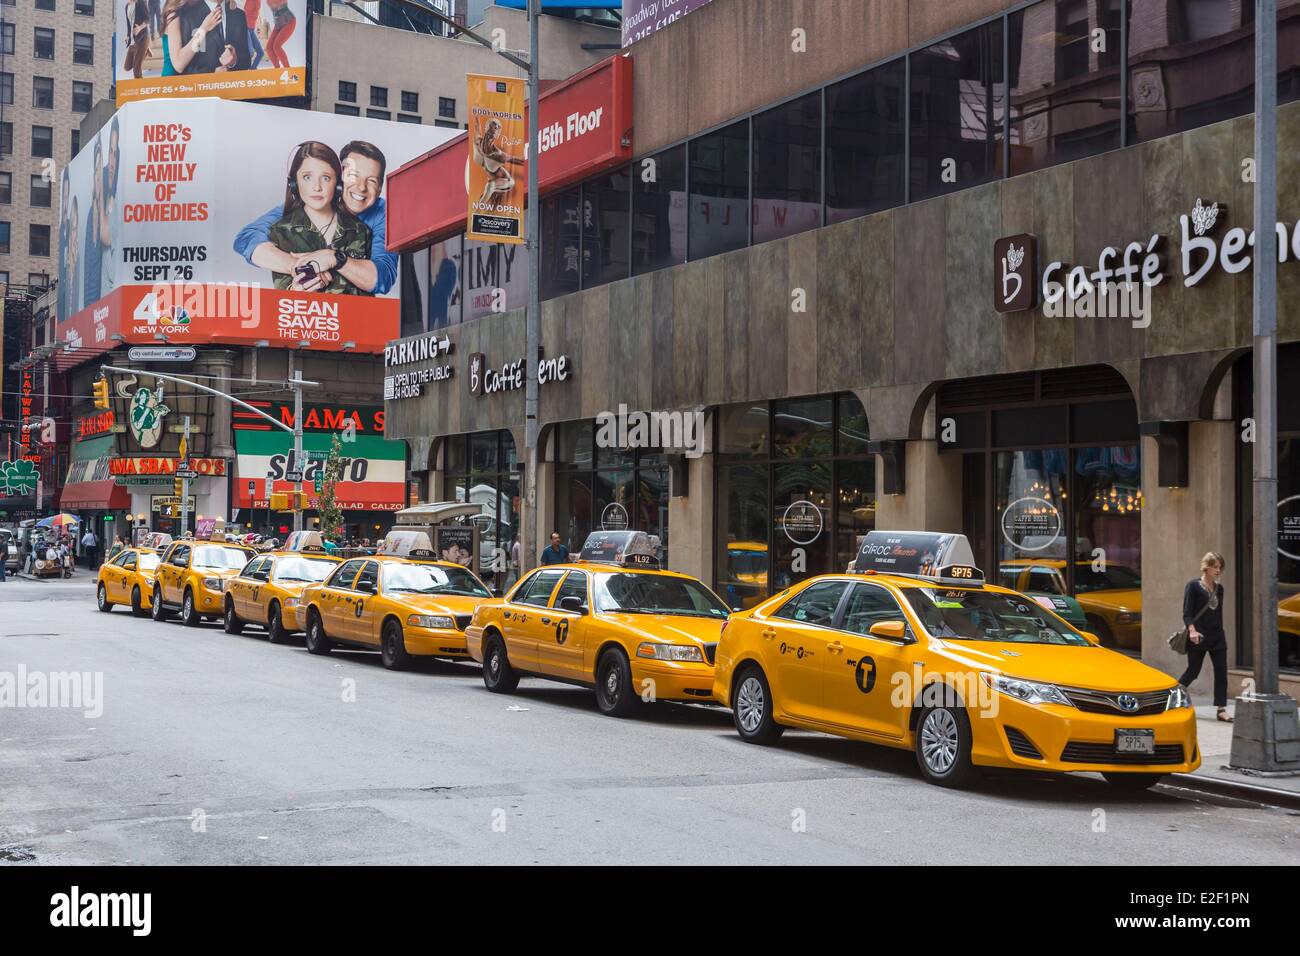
(589, 119)
(95, 496)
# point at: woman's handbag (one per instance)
(1178, 639)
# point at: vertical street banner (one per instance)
(235, 50)
(497, 172)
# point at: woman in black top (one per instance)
(1203, 617)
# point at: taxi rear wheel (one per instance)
(317, 642)
(752, 709)
(498, 676)
(615, 695)
(137, 602)
(230, 619)
(943, 746)
(1133, 781)
(275, 631)
(101, 598)
(189, 614)
(393, 650)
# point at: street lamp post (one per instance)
(1266, 734)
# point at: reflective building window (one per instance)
(719, 201)
(659, 210)
(787, 169)
(864, 142)
(561, 243)
(605, 219)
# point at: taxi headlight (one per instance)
(214, 584)
(671, 652)
(1178, 697)
(440, 621)
(1031, 692)
(290, 602)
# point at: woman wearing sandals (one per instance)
(1203, 617)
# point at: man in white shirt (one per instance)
(90, 548)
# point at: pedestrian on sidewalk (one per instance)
(90, 548)
(1203, 617)
(555, 552)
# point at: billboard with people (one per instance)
(234, 49)
(213, 221)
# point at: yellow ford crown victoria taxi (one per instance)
(191, 578)
(1111, 598)
(611, 621)
(268, 590)
(913, 650)
(404, 606)
(127, 579)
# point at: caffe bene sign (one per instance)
(486, 380)
(1204, 246)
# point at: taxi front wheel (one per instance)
(137, 602)
(275, 631)
(615, 695)
(158, 612)
(233, 625)
(101, 596)
(393, 652)
(189, 615)
(498, 676)
(943, 745)
(315, 639)
(752, 709)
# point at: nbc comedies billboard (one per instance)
(216, 221)
(236, 49)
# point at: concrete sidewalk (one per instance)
(1214, 738)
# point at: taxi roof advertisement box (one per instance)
(586, 126)
(226, 63)
(202, 220)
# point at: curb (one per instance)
(1237, 790)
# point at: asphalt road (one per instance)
(214, 749)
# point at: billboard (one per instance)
(497, 176)
(643, 17)
(372, 473)
(236, 50)
(215, 221)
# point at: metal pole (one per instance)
(297, 446)
(185, 482)
(1265, 293)
(533, 319)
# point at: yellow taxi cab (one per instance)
(192, 576)
(404, 605)
(913, 650)
(612, 621)
(1111, 598)
(127, 579)
(267, 591)
(1288, 630)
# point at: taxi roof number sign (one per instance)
(627, 548)
(919, 554)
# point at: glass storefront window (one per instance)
(494, 278)
(864, 142)
(659, 210)
(444, 282)
(958, 101)
(794, 507)
(1190, 63)
(1065, 80)
(482, 468)
(561, 243)
(719, 200)
(787, 159)
(605, 219)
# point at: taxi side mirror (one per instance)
(890, 630)
(366, 587)
(1091, 638)
(571, 602)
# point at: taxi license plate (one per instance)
(1135, 741)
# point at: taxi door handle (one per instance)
(546, 620)
(770, 633)
(834, 647)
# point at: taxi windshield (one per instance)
(988, 616)
(431, 579)
(302, 569)
(147, 562)
(220, 559)
(634, 593)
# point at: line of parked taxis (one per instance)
(909, 648)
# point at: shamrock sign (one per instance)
(17, 477)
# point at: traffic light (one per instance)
(289, 501)
(101, 393)
(178, 487)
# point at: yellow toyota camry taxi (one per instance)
(267, 591)
(612, 621)
(403, 605)
(127, 579)
(191, 578)
(912, 650)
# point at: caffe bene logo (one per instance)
(486, 381)
(1018, 286)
